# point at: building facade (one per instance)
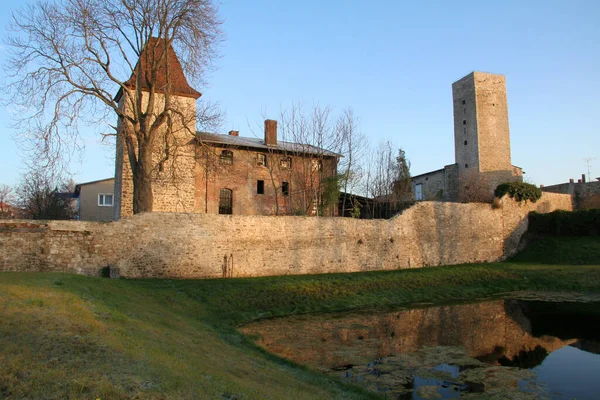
(481, 144)
(95, 200)
(203, 172)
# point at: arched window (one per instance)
(225, 201)
(226, 157)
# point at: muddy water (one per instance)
(516, 348)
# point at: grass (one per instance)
(69, 336)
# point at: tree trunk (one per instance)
(142, 182)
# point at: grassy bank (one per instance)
(72, 336)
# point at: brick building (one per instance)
(481, 144)
(214, 173)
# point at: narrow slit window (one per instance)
(260, 187)
(285, 188)
(464, 121)
(465, 142)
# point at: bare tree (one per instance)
(353, 148)
(6, 201)
(45, 196)
(475, 187)
(68, 59)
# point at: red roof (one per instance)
(155, 47)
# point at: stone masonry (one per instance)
(178, 245)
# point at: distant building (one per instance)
(95, 200)
(481, 144)
(585, 195)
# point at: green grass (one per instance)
(69, 336)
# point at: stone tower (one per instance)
(481, 132)
(173, 152)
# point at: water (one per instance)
(501, 348)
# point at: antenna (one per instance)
(588, 163)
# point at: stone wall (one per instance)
(178, 245)
(586, 195)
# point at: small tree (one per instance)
(43, 196)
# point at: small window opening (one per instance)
(466, 165)
(226, 157)
(261, 160)
(285, 163)
(260, 187)
(464, 102)
(465, 142)
(464, 121)
(285, 188)
(317, 165)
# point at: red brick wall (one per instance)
(241, 176)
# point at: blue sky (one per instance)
(394, 62)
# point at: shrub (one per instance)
(519, 191)
(566, 223)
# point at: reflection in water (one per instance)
(435, 352)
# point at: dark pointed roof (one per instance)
(179, 84)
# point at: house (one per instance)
(95, 200)
(481, 144)
(203, 172)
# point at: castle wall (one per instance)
(586, 195)
(178, 245)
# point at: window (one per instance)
(285, 188)
(261, 160)
(466, 165)
(464, 121)
(464, 102)
(317, 165)
(285, 163)
(225, 201)
(465, 142)
(227, 157)
(260, 187)
(105, 200)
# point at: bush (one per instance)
(566, 223)
(519, 191)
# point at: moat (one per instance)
(520, 348)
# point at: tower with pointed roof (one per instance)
(157, 78)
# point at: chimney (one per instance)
(270, 132)
(571, 180)
(582, 178)
(234, 133)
